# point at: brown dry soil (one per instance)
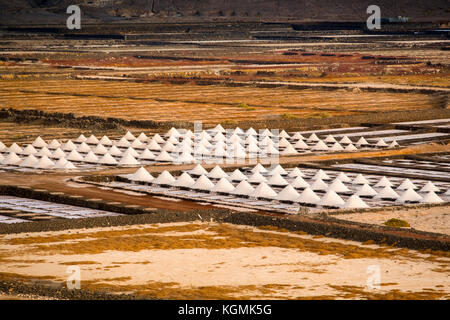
(52, 247)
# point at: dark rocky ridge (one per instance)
(53, 11)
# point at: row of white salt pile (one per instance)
(288, 193)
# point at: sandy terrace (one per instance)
(435, 219)
(211, 260)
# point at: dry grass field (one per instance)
(190, 102)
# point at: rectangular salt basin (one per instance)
(414, 136)
(424, 121)
(370, 133)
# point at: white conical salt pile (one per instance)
(107, 159)
(447, 193)
(251, 132)
(129, 136)
(284, 143)
(58, 154)
(128, 160)
(319, 185)
(251, 139)
(296, 173)
(429, 186)
(69, 146)
(383, 182)
(300, 144)
(165, 178)
(253, 148)
(409, 195)
(141, 175)
(92, 140)
(243, 189)
(29, 161)
(105, 141)
(16, 149)
(236, 151)
(362, 142)
(173, 132)
(345, 140)
(393, 144)
(168, 146)
(114, 151)
(360, 179)
(234, 138)
(387, 193)
(142, 137)
(331, 199)
(91, 158)
(355, 202)
(83, 147)
(173, 140)
(263, 191)
(81, 138)
(321, 175)
(131, 151)
(259, 168)
(184, 181)
(157, 138)
(320, 146)
(219, 137)
(124, 143)
(74, 156)
(137, 144)
(277, 170)
(308, 197)
(11, 159)
(266, 132)
(218, 128)
(147, 155)
(61, 163)
(343, 177)
(184, 157)
(270, 149)
(217, 173)
(203, 183)
(288, 194)
(164, 156)
(198, 170)
(381, 143)
(237, 175)
(313, 138)
(201, 150)
(297, 136)
(189, 134)
(265, 141)
(431, 197)
(238, 130)
(44, 152)
(223, 186)
(288, 151)
(100, 149)
(299, 183)
(2, 147)
(153, 145)
(336, 147)
(44, 163)
(350, 147)
(277, 180)
(366, 191)
(284, 134)
(338, 187)
(406, 184)
(219, 152)
(39, 143)
(256, 178)
(29, 149)
(54, 144)
(330, 139)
